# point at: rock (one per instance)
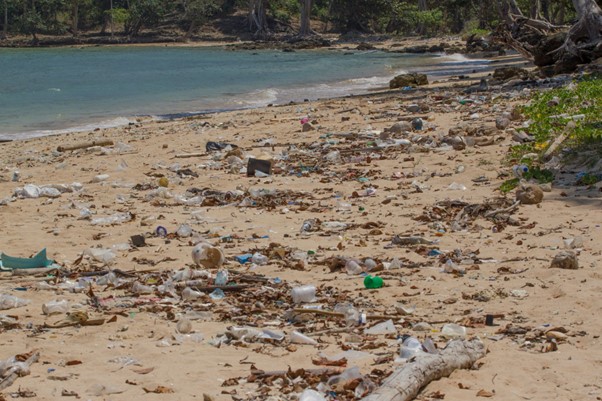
(546, 187)
(413, 108)
(365, 46)
(565, 260)
(308, 127)
(457, 130)
(424, 107)
(502, 123)
(422, 326)
(520, 136)
(458, 143)
(556, 335)
(506, 73)
(515, 114)
(404, 80)
(401, 127)
(529, 194)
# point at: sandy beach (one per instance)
(413, 187)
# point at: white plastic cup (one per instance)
(304, 294)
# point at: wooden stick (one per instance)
(505, 210)
(186, 155)
(319, 371)
(34, 271)
(16, 371)
(102, 142)
(406, 382)
(225, 288)
(340, 315)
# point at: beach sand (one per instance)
(122, 358)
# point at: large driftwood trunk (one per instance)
(559, 48)
(405, 383)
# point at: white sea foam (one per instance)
(110, 123)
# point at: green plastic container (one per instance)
(373, 282)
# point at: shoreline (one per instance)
(110, 121)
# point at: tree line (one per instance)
(266, 17)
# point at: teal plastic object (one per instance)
(39, 260)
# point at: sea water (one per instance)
(54, 90)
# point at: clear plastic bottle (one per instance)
(55, 307)
(138, 288)
(221, 278)
(353, 267)
(188, 294)
(410, 347)
(260, 259)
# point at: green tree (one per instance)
(197, 12)
(145, 13)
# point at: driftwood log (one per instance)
(555, 49)
(406, 382)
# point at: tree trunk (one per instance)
(112, 27)
(305, 28)
(75, 18)
(5, 26)
(258, 21)
(422, 6)
(545, 9)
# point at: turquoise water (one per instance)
(47, 91)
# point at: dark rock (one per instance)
(502, 123)
(308, 127)
(413, 108)
(404, 80)
(365, 46)
(506, 73)
(400, 127)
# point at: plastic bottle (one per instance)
(353, 267)
(138, 288)
(410, 347)
(520, 170)
(311, 395)
(260, 259)
(333, 226)
(55, 307)
(217, 294)
(9, 302)
(369, 264)
(452, 330)
(298, 338)
(221, 278)
(184, 231)
(353, 317)
(188, 294)
(304, 294)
